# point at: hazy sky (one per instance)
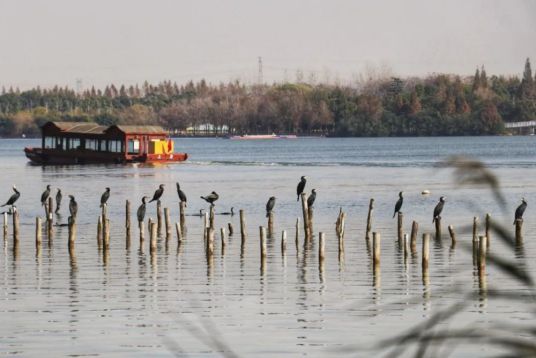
(128, 41)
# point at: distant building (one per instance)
(207, 129)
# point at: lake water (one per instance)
(130, 303)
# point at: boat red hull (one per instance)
(59, 157)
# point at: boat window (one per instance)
(49, 142)
(133, 146)
(59, 143)
(102, 147)
(74, 143)
(91, 144)
(115, 146)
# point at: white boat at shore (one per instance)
(263, 136)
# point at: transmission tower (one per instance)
(260, 79)
(79, 85)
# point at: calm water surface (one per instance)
(130, 303)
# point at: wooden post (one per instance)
(142, 232)
(519, 230)
(369, 218)
(167, 223)
(400, 228)
(283, 241)
(243, 234)
(205, 226)
(482, 248)
(211, 217)
(405, 239)
(305, 213)
(159, 217)
(5, 226)
(425, 252)
(376, 248)
(488, 228)
(72, 232)
(452, 235)
(179, 232)
(262, 231)
(104, 226)
(15, 226)
(438, 228)
(321, 247)
(182, 215)
(270, 224)
(222, 238)
(38, 232)
(153, 232)
(475, 228)
(107, 235)
(231, 230)
(99, 232)
(127, 222)
(413, 237)
(310, 214)
(210, 241)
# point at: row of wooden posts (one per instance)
(480, 243)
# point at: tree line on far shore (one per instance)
(436, 105)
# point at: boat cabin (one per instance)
(81, 142)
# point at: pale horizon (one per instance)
(127, 42)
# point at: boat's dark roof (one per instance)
(94, 128)
(141, 129)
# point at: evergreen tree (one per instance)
(483, 78)
(526, 90)
(476, 81)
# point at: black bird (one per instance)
(301, 186)
(59, 196)
(158, 193)
(311, 199)
(211, 198)
(270, 205)
(228, 212)
(73, 207)
(399, 203)
(13, 197)
(520, 210)
(438, 208)
(104, 197)
(45, 195)
(182, 196)
(141, 209)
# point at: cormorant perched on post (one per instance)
(438, 208)
(158, 193)
(58, 200)
(141, 209)
(301, 186)
(182, 196)
(73, 206)
(520, 210)
(311, 199)
(13, 197)
(211, 198)
(270, 205)
(104, 198)
(45, 195)
(399, 203)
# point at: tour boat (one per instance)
(84, 143)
